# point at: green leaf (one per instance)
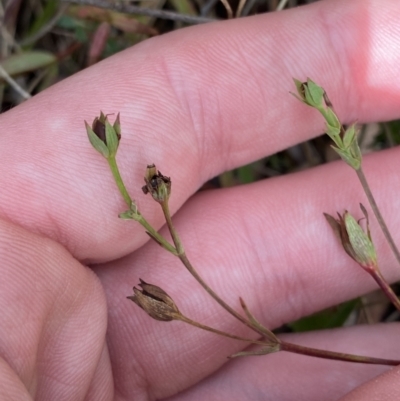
(334, 134)
(300, 90)
(349, 136)
(314, 93)
(326, 319)
(356, 151)
(348, 158)
(127, 215)
(184, 7)
(96, 142)
(70, 23)
(46, 13)
(331, 118)
(27, 61)
(79, 27)
(131, 214)
(246, 174)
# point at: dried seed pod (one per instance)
(155, 302)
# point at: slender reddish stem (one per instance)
(377, 276)
(337, 356)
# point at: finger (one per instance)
(382, 388)
(266, 242)
(11, 386)
(52, 325)
(284, 376)
(102, 384)
(196, 102)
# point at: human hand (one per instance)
(196, 102)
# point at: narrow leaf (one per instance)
(332, 119)
(268, 333)
(262, 351)
(27, 61)
(127, 215)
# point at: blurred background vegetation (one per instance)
(45, 41)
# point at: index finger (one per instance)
(195, 102)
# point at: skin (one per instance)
(197, 102)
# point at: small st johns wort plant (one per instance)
(357, 243)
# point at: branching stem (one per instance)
(182, 256)
(131, 205)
